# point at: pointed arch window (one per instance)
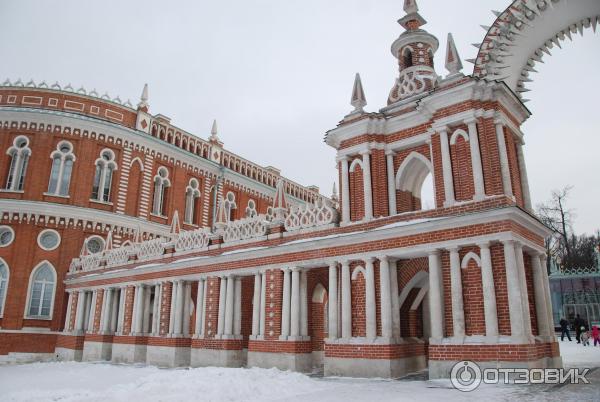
(105, 168)
(230, 205)
(161, 184)
(407, 57)
(251, 209)
(3, 285)
(19, 154)
(41, 292)
(62, 167)
(192, 195)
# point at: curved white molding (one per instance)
(319, 293)
(356, 162)
(459, 133)
(468, 257)
(358, 270)
(412, 173)
(39, 239)
(419, 280)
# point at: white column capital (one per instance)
(390, 152)
(470, 120)
(484, 244)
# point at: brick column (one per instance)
(128, 310)
(436, 297)
(476, 159)
(333, 301)
(515, 305)
(367, 186)
(503, 155)
(489, 291)
(391, 182)
(346, 301)
(540, 297)
(285, 305)
(458, 313)
(370, 304)
(447, 168)
(386, 300)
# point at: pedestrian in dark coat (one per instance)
(564, 329)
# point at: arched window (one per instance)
(19, 153)
(62, 167)
(161, 183)
(105, 167)
(41, 291)
(407, 57)
(94, 244)
(3, 285)
(414, 184)
(192, 195)
(230, 205)
(251, 209)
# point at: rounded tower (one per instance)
(414, 49)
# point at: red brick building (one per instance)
(186, 254)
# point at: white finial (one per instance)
(144, 98)
(358, 100)
(280, 204)
(410, 6)
(214, 132)
(175, 226)
(453, 63)
(334, 193)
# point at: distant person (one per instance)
(596, 334)
(578, 324)
(564, 329)
(585, 338)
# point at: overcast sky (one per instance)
(278, 74)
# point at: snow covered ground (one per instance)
(106, 382)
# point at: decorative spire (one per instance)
(175, 226)
(334, 192)
(280, 201)
(137, 235)
(222, 219)
(453, 63)
(108, 244)
(84, 249)
(144, 99)
(411, 7)
(412, 20)
(214, 132)
(358, 100)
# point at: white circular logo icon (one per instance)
(465, 376)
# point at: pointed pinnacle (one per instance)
(453, 63)
(213, 130)
(358, 99)
(410, 6)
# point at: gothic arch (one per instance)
(412, 173)
(459, 133)
(138, 161)
(356, 162)
(468, 257)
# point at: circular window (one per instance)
(7, 235)
(49, 239)
(95, 244)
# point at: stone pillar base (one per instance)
(168, 352)
(68, 355)
(373, 368)
(300, 362)
(441, 368)
(97, 351)
(133, 350)
(501, 355)
(216, 357)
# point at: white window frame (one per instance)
(39, 239)
(94, 237)
(7, 281)
(161, 183)
(230, 204)
(192, 193)
(13, 235)
(15, 180)
(251, 211)
(64, 157)
(30, 290)
(104, 168)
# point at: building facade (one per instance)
(186, 271)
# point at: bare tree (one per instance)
(559, 219)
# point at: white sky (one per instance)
(278, 74)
